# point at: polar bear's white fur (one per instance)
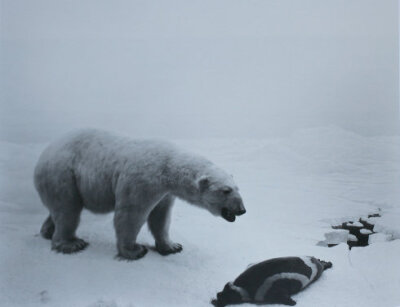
(138, 179)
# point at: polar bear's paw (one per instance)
(135, 252)
(168, 248)
(70, 246)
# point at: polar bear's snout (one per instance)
(241, 212)
(238, 207)
(234, 209)
(241, 209)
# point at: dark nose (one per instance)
(241, 211)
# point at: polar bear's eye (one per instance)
(226, 190)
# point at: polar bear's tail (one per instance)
(48, 228)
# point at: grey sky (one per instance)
(198, 68)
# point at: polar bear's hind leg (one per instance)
(48, 228)
(64, 239)
(58, 191)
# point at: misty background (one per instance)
(189, 69)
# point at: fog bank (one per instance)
(182, 69)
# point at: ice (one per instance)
(352, 238)
(372, 220)
(355, 224)
(379, 237)
(389, 223)
(294, 188)
(336, 237)
(365, 231)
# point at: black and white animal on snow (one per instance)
(272, 281)
(137, 179)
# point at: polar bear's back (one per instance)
(103, 148)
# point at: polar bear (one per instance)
(137, 179)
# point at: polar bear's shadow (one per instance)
(105, 249)
(102, 246)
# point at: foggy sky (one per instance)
(198, 68)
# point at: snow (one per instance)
(352, 238)
(294, 189)
(365, 231)
(379, 237)
(373, 220)
(335, 237)
(387, 222)
(355, 224)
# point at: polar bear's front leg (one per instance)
(159, 221)
(127, 223)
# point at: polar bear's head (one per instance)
(220, 195)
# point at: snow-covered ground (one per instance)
(294, 189)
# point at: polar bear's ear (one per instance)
(203, 183)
